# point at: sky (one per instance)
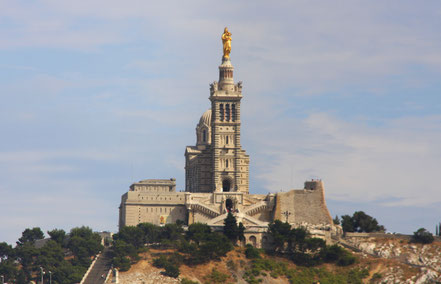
(96, 95)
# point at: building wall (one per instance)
(303, 206)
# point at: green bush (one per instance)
(172, 270)
(422, 236)
(160, 262)
(215, 277)
(188, 281)
(251, 252)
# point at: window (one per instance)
(226, 140)
(221, 112)
(227, 112)
(233, 110)
(204, 135)
(226, 163)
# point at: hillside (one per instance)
(381, 260)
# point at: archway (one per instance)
(226, 185)
(229, 205)
(253, 241)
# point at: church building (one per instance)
(217, 178)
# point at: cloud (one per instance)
(356, 161)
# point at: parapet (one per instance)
(155, 185)
(314, 184)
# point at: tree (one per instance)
(360, 222)
(422, 236)
(152, 233)
(347, 223)
(131, 235)
(336, 220)
(57, 235)
(230, 227)
(6, 251)
(365, 223)
(279, 232)
(198, 232)
(30, 235)
(84, 243)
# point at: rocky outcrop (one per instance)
(424, 259)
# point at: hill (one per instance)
(380, 260)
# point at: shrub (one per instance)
(251, 252)
(172, 270)
(215, 277)
(188, 281)
(422, 236)
(160, 262)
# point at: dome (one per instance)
(206, 118)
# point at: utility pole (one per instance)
(42, 273)
(50, 277)
(3, 279)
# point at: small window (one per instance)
(226, 163)
(221, 112)
(233, 110)
(227, 112)
(204, 135)
(226, 140)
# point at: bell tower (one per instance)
(230, 162)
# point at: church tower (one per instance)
(218, 163)
(230, 162)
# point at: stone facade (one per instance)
(217, 180)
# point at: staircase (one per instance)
(98, 273)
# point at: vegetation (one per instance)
(260, 267)
(252, 252)
(232, 230)
(297, 244)
(198, 245)
(22, 263)
(422, 236)
(360, 222)
(215, 277)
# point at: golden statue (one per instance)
(226, 40)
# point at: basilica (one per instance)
(217, 178)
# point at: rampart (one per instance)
(306, 205)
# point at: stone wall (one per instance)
(303, 206)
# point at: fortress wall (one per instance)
(155, 213)
(305, 205)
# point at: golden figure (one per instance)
(226, 40)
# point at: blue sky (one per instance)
(96, 95)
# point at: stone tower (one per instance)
(218, 163)
(230, 162)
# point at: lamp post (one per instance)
(50, 277)
(286, 213)
(3, 279)
(42, 273)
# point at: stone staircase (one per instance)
(202, 208)
(99, 270)
(256, 208)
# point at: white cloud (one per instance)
(357, 162)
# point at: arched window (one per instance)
(253, 241)
(221, 112)
(204, 135)
(227, 112)
(226, 185)
(233, 110)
